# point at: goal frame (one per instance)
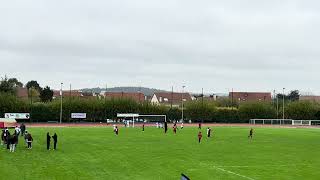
(134, 116)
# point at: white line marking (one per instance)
(262, 166)
(230, 172)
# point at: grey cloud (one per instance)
(248, 45)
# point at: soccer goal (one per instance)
(140, 118)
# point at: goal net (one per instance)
(132, 119)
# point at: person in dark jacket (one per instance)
(23, 129)
(165, 127)
(55, 141)
(7, 137)
(48, 141)
(13, 140)
(2, 137)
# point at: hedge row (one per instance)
(198, 111)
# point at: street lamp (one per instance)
(61, 103)
(283, 104)
(182, 102)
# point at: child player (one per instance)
(199, 136)
(208, 132)
(116, 130)
(175, 129)
(250, 133)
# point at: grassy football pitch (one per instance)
(96, 153)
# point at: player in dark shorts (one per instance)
(199, 136)
(175, 129)
(143, 127)
(116, 130)
(250, 133)
(209, 132)
(199, 125)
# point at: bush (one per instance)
(256, 110)
(301, 110)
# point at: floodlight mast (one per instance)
(61, 103)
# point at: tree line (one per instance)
(99, 109)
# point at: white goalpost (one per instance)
(138, 117)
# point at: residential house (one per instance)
(72, 93)
(250, 96)
(170, 98)
(310, 98)
(136, 96)
(22, 93)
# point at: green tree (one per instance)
(200, 111)
(46, 94)
(302, 110)
(174, 114)
(34, 84)
(15, 82)
(294, 95)
(7, 86)
(256, 110)
(33, 94)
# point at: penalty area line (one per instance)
(233, 173)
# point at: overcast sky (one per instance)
(218, 45)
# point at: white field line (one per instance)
(262, 166)
(230, 172)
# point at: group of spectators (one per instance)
(11, 141)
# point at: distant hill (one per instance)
(144, 90)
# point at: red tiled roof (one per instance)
(174, 98)
(250, 96)
(309, 98)
(136, 96)
(22, 92)
(73, 93)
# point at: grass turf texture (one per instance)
(96, 153)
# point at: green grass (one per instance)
(96, 153)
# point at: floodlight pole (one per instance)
(61, 103)
(182, 102)
(283, 104)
